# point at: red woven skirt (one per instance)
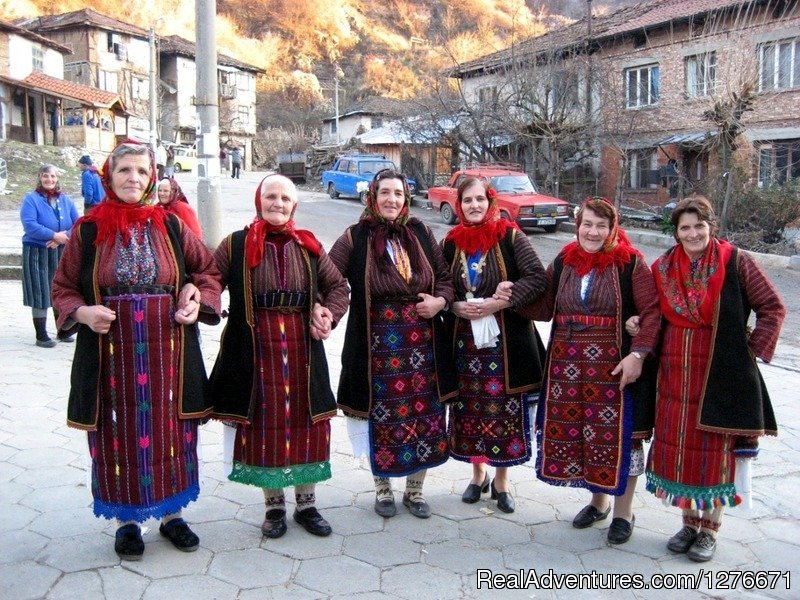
(584, 423)
(281, 446)
(144, 458)
(688, 467)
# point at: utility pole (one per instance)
(153, 101)
(337, 73)
(207, 100)
(589, 89)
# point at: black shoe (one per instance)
(473, 492)
(48, 343)
(178, 532)
(274, 525)
(703, 548)
(313, 522)
(418, 507)
(588, 516)
(682, 541)
(620, 530)
(128, 542)
(386, 507)
(504, 500)
(65, 336)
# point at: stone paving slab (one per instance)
(51, 545)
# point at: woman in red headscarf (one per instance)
(499, 355)
(172, 198)
(139, 386)
(712, 404)
(271, 375)
(593, 414)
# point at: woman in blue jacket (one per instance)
(47, 215)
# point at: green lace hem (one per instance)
(692, 497)
(274, 478)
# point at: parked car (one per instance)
(343, 178)
(185, 159)
(517, 197)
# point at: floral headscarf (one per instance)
(381, 229)
(113, 216)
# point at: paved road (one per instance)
(52, 547)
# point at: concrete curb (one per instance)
(661, 240)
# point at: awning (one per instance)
(687, 139)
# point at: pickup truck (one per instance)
(517, 197)
(343, 178)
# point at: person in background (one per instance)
(396, 373)
(91, 185)
(55, 121)
(271, 375)
(172, 198)
(711, 404)
(169, 166)
(594, 413)
(47, 216)
(223, 159)
(497, 369)
(236, 163)
(136, 280)
(161, 159)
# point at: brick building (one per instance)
(643, 79)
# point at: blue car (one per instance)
(350, 175)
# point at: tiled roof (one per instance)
(87, 16)
(643, 16)
(22, 32)
(374, 105)
(174, 44)
(74, 91)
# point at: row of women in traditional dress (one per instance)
(429, 324)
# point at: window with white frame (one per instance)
(107, 80)
(487, 97)
(642, 86)
(140, 88)
(642, 170)
(778, 162)
(37, 57)
(701, 74)
(243, 114)
(779, 65)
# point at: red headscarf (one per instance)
(113, 216)
(479, 237)
(175, 193)
(616, 249)
(688, 296)
(259, 229)
(178, 204)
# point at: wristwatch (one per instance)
(638, 355)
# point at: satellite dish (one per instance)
(3, 174)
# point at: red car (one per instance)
(517, 197)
